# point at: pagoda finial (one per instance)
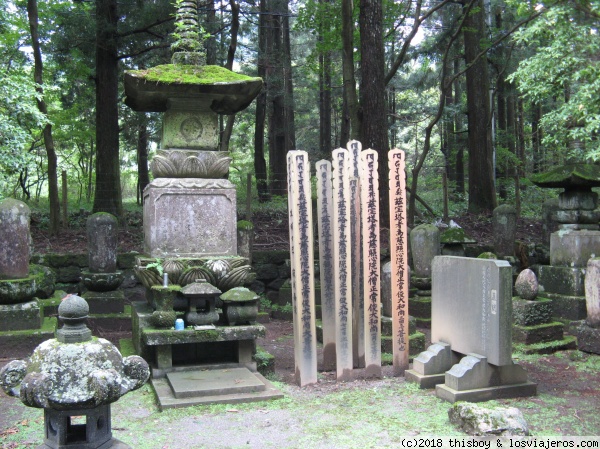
(188, 48)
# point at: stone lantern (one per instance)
(576, 240)
(201, 297)
(75, 375)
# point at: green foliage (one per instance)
(564, 67)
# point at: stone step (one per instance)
(539, 333)
(189, 384)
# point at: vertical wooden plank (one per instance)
(358, 303)
(399, 259)
(371, 264)
(303, 266)
(325, 216)
(342, 270)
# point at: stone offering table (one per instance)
(202, 355)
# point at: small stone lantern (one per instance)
(201, 297)
(75, 375)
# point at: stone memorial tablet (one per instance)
(472, 306)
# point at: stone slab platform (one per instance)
(549, 347)
(216, 387)
(112, 444)
(425, 381)
(451, 395)
(189, 384)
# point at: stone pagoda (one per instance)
(577, 238)
(190, 231)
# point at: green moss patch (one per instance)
(571, 174)
(190, 74)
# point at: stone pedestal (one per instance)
(189, 217)
(18, 317)
(563, 280)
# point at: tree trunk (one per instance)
(324, 94)
(142, 159)
(372, 92)
(107, 196)
(54, 225)
(350, 95)
(482, 194)
(260, 165)
(288, 80)
(459, 165)
(235, 26)
(536, 138)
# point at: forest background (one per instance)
(479, 93)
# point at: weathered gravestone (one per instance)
(471, 321)
(425, 245)
(588, 331)
(103, 279)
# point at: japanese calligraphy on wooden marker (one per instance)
(303, 267)
(358, 303)
(326, 259)
(342, 259)
(371, 269)
(399, 259)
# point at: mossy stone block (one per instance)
(126, 261)
(420, 307)
(266, 271)
(23, 316)
(274, 257)
(529, 313)
(539, 333)
(65, 260)
(567, 308)
(68, 274)
(265, 362)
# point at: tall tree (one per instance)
(482, 192)
(54, 225)
(108, 169)
(260, 164)
(351, 118)
(374, 129)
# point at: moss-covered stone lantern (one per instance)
(75, 375)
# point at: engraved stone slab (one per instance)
(399, 261)
(190, 129)
(371, 264)
(471, 306)
(190, 218)
(325, 215)
(574, 248)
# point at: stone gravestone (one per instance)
(19, 281)
(471, 319)
(371, 252)
(399, 262)
(302, 259)
(342, 268)
(325, 216)
(588, 331)
(103, 279)
(358, 302)
(505, 230)
(425, 245)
